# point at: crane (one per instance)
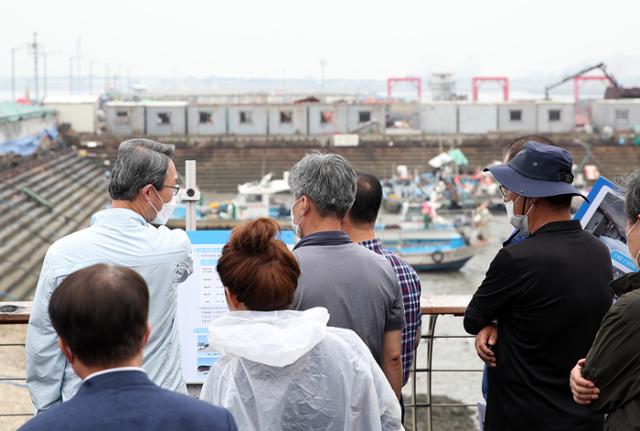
(614, 91)
(600, 66)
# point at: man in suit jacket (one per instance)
(100, 314)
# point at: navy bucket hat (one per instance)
(538, 171)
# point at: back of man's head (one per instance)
(556, 203)
(100, 313)
(328, 180)
(519, 143)
(139, 162)
(368, 200)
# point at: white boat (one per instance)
(265, 198)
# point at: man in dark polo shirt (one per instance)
(358, 287)
(548, 295)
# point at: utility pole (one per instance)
(116, 85)
(121, 78)
(44, 72)
(79, 61)
(34, 47)
(70, 75)
(13, 71)
(91, 76)
(45, 79)
(323, 63)
(106, 78)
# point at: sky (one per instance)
(288, 39)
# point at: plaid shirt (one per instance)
(411, 290)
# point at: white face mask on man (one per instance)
(627, 236)
(166, 211)
(519, 222)
(294, 226)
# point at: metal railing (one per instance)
(17, 313)
(14, 313)
(434, 307)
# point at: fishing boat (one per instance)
(439, 248)
(401, 188)
(436, 244)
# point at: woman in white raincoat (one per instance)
(283, 369)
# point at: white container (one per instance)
(125, 118)
(517, 117)
(247, 119)
(166, 118)
(80, 111)
(477, 118)
(439, 117)
(555, 117)
(327, 119)
(622, 115)
(288, 119)
(206, 120)
(365, 118)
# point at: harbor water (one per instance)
(457, 353)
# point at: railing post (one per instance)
(431, 332)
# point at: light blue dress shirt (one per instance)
(121, 237)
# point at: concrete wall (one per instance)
(247, 119)
(545, 122)
(296, 113)
(166, 118)
(81, 116)
(620, 115)
(507, 113)
(477, 117)
(335, 118)
(439, 118)
(125, 118)
(357, 118)
(197, 124)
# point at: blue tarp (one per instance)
(26, 145)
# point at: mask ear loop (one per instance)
(153, 206)
(530, 208)
(627, 239)
(524, 204)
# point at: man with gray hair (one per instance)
(357, 286)
(142, 187)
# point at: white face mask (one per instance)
(521, 221)
(509, 207)
(164, 214)
(627, 236)
(294, 226)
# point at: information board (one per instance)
(604, 216)
(201, 299)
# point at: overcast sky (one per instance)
(358, 39)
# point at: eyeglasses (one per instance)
(176, 189)
(503, 190)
